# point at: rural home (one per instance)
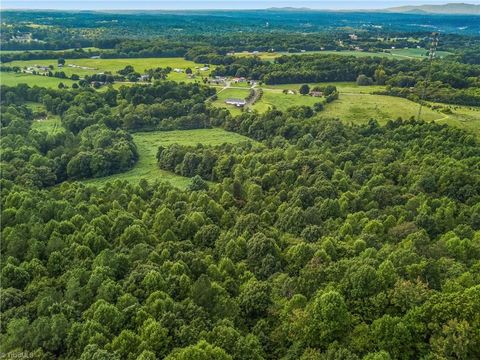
(236, 102)
(316, 93)
(239, 79)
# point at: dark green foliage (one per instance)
(324, 241)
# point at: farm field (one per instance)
(276, 98)
(86, 49)
(148, 143)
(113, 65)
(411, 53)
(417, 53)
(357, 104)
(358, 108)
(12, 79)
(464, 117)
(343, 87)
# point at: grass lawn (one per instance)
(276, 98)
(51, 125)
(359, 108)
(417, 53)
(343, 87)
(113, 65)
(40, 51)
(148, 143)
(13, 79)
(464, 117)
(231, 93)
(411, 53)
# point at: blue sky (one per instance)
(211, 4)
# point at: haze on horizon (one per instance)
(215, 4)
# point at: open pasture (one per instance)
(89, 66)
(13, 79)
(276, 98)
(148, 143)
(410, 53)
(359, 108)
(342, 87)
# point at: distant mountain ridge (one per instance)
(451, 8)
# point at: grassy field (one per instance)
(113, 65)
(275, 98)
(359, 108)
(51, 125)
(12, 79)
(467, 118)
(417, 53)
(40, 51)
(411, 53)
(148, 143)
(343, 87)
(230, 93)
(358, 104)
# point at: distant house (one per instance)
(303, 51)
(353, 37)
(144, 77)
(95, 57)
(205, 68)
(316, 93)
(290, 92)
(236, 102)
(178, 70)
(22, 38)
(239, 79)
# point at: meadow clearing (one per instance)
(52, 124)
(13, 79)
(410, 53)
(96, 66)
(148, 143)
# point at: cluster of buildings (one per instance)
(40, 69)
(23, 38)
